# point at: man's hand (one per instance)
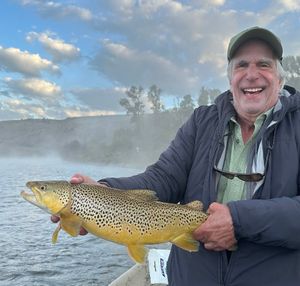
(81, 179)
(217, 232)
(77, 179)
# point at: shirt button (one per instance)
(237, 141)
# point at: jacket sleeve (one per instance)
(168, 176)
(273, 222)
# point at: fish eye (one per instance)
(43, 188)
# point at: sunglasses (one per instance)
(246, 177)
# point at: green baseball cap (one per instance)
(255, 33)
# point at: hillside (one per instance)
(101, 139)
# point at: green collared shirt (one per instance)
(236, 160)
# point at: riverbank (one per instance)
(100, 139)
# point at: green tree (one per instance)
(154, 98)
(207, 95)
(187, 104)
(134, 102)
(291, 65)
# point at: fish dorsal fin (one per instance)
(197, 205)
(142, 195)
(137, 252)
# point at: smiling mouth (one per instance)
(253, 91)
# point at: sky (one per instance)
(73, 58)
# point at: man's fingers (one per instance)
(55, 218)
(213, 246)
(83, 231)
(77, 179)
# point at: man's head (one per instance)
(254, 71)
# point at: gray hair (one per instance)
(280, 72)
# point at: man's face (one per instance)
(254, 82)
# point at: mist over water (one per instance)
(27, 256)
(108, 139)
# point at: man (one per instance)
(241, 158)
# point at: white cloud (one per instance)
(179, 49)
(100, 98)
(58, 10)
(133, 67)
(275, 10)
(59, 50)
(290, 5)
(15, 60)
(78, 112)
(149, 7)
(34, 88)
(13, 108)
(207, 3)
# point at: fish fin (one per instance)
(198, 205)
(187, 242)
(142, 195)
(55, 234)
(137, 252)
(71, 224)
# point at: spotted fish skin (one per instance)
(133, 218)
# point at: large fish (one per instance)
(133, 218)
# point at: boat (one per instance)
(153, 272)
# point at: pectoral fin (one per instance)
(187, 242)
(137, 252)
(71, 224)
(55, 234)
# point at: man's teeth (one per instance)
(252, 90)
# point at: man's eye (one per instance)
(241, 65)
(264, 64)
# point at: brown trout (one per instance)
(133, 218)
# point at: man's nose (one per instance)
(252, 72)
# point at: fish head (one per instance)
(51, 196)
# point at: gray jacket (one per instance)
(267, 226)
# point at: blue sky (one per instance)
(62, 59)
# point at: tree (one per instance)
(207, 95)
(133, 103)
(187, 104)
(154, 98)
(291, 65)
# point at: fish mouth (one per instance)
(35, 198)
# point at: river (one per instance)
(27, 256)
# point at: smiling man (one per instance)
(241, 158)
(255, 81)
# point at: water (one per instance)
(27, 256)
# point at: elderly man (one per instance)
(241, 158)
